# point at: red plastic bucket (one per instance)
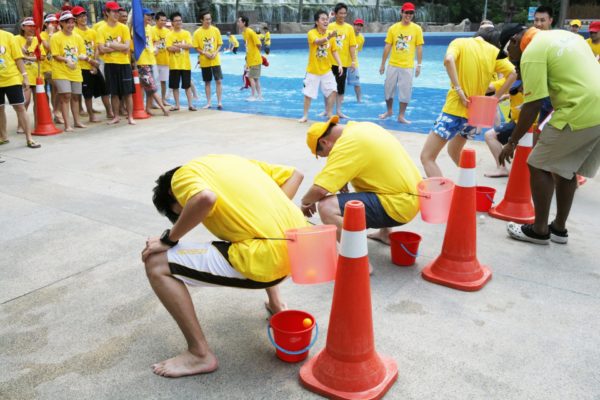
(291, 337)
(405, 247)
(482, 111)
(485, 198)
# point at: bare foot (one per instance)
(275, 308)
(186, 364)
(206, 106)
(69, 129)
(94, 120)
(342, 115)
(165, 112)
(322, 114)
(385, 115)
(497, 173)
(110, 116)
(80, 125)
(303, 119)
(382, 235)
(403, 120)
(113, 121)
(130, 121)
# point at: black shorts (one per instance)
(208, 73)
(93, 84)
(177, 75)
(119, 79)
(341, 80)
(14, 94)
(234, 51)
(504, 131)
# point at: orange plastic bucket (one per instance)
(435, 196)
(291, 335)
(312, 253)
(405, 247)
(485, 198)
(482, 111)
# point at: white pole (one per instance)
(485, 10)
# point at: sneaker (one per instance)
(557, 236)
(525, 233)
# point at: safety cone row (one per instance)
(44, 125)
(349, 367)
(517, 205)
(139, 111)
(457, 266)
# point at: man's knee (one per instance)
(328, 207)
(156, 265)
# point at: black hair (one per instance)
(490, 35)
(545, 9)
(327, 132)
(266, 29)
(319, 13)
(339, 6)
(203, 13)
(162, 198)
(244, 19)
(175, 14)
(159, 14)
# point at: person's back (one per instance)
(560, 64)
(250, 207)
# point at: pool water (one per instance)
(281, 84)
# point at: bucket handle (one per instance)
(490, 198)
(293, 353)
(408, 252)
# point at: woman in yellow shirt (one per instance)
(28, 43)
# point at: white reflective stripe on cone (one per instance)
(354, 244)
(39, 89)
(136, 80)
(526, 140)
(466, 177)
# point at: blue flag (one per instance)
(139, 32)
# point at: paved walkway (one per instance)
(78, 318)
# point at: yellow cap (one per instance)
(317, 130)
(575, 22)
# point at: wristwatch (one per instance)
(164, 238)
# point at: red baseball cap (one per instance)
(595, 27)
(359, 21)
(112, 5)
(408, 7)
(78, 10)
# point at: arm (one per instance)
(450, 65)
(529, 113)
(314, 194)
(322, 40)
(419, 60)
(336, 57)
(290, 187)
(23, 71)
(386, 53)
(510, 80)
(120, 46)
(353, 56)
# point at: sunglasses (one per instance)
(408, 12)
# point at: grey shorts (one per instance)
(398, 80)
(254, 72)
(566, 152)
(66, 86)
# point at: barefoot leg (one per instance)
(381, 235)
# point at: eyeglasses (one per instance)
(408, 12)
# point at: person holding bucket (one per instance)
(375, 163)
(470, 64)
(247, 205)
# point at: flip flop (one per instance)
(174, 109)
(33, 145)
(376, 239)
(495, 175)
(268, 308)
(4, 141)
(192, 108)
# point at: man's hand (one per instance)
(71, 65)
(25, 82)
(463, 97)
(381, 69)
(417, 71)
(309, 209)
(507, 153)
(153, 245)
(344, 189)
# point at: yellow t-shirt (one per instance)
(373, 160)
(475, 65)
(319, 62)
(98, 25)
(516, 101)
(70, 47)
(209, 41)
(89, 40)
(147, 57)
(253, 56)
(595, 48)
(267, 38)
(159, 37)
(360, 41)
(234, 41)
(117, 34)
(404, 40)
(181, 59)
(344, 40)
(46, 54)
(30, 66)
(250, 205)
(9, 73)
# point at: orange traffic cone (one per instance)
(457, 267)
(44, 125)
(139, 111)
(517, 205)
(349, 367)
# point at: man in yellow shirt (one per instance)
(321, 47)
(556, 64)
(247, 205)
(208, 42)
(353, 75)
(159, 37)
(266, 40)
(179, 43)
(375, 163)
(470, 64)
(575, 25)
(114, 42)
(403, 39)
(253, 57)
(233, 43)
(13, 80)
(594, 39)
(68, 49)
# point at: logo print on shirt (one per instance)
(208, 44)
(322, 50)
(402, 42)
(71, 53)
(339, 40)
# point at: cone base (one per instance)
(470, 286)
(46, 130)
(140, 115)
(309, 381)
(516, 212)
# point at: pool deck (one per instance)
(79, 320)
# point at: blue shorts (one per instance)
(447, 126)
(353, 77)
(375, 213)
(504, 131)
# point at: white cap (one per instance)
(65, 16)
(50, 18)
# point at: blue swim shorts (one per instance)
(375, 213)
(353, 78)
(447, 126)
